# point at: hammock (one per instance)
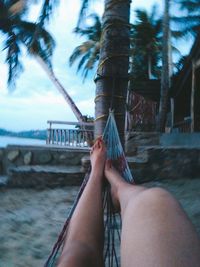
(116, 154)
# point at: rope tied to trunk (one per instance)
(106, 115)
(108, 95)
(102, 63)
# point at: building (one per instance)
(186, 93)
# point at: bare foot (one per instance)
(121, 191)
(116, 181)
(98, 157)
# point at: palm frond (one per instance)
(82, 13)
(192, 6)
(141, 16)
(42, 46)
(80, 50)
(179, 65)
(88, 51)
(83, 61)
(146, 36)
(12, 59)
(179, 34)
(17, 8)
(154, 12)
(93, 57)
(47, 11)
(176, 50)
(183, 20)
(92, 32)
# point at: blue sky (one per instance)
(35, 99)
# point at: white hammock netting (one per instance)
(116, 154)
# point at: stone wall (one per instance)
(138, 139)
(13, 156)
(159, 163)
(35, 165)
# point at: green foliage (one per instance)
(189, 23)
(35, 134)
(146, 44)
(84, 7)
(17, 33)
(47, 11)
(88, 52)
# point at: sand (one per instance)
(30, 220)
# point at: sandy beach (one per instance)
(31, 220)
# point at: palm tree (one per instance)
(88, 52)
(112, 72)
(146, 45)
(189, 24)
(165, 75)
(19, 32)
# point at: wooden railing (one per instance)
(81, 136)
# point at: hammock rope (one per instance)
(116, 155)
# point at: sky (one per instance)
(35, 99)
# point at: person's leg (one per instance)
(155, 230)
(84, 241)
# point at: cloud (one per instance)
(87, 106)
(28, 113)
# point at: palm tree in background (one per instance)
(165, 75)
(189, 23)
(88, 52)
(18, 33)
(146, 45)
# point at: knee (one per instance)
(156, 198)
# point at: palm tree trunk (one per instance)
(112, 73)
(165, 76)
(61, 89)
(149, 67)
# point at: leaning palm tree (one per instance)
(19, 32)
(88, 52)
(112, 74)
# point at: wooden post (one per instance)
(172, 112)
(53, 133)
(192, 97)
(59, 137)
(69, 137)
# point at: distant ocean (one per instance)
(9, 140)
